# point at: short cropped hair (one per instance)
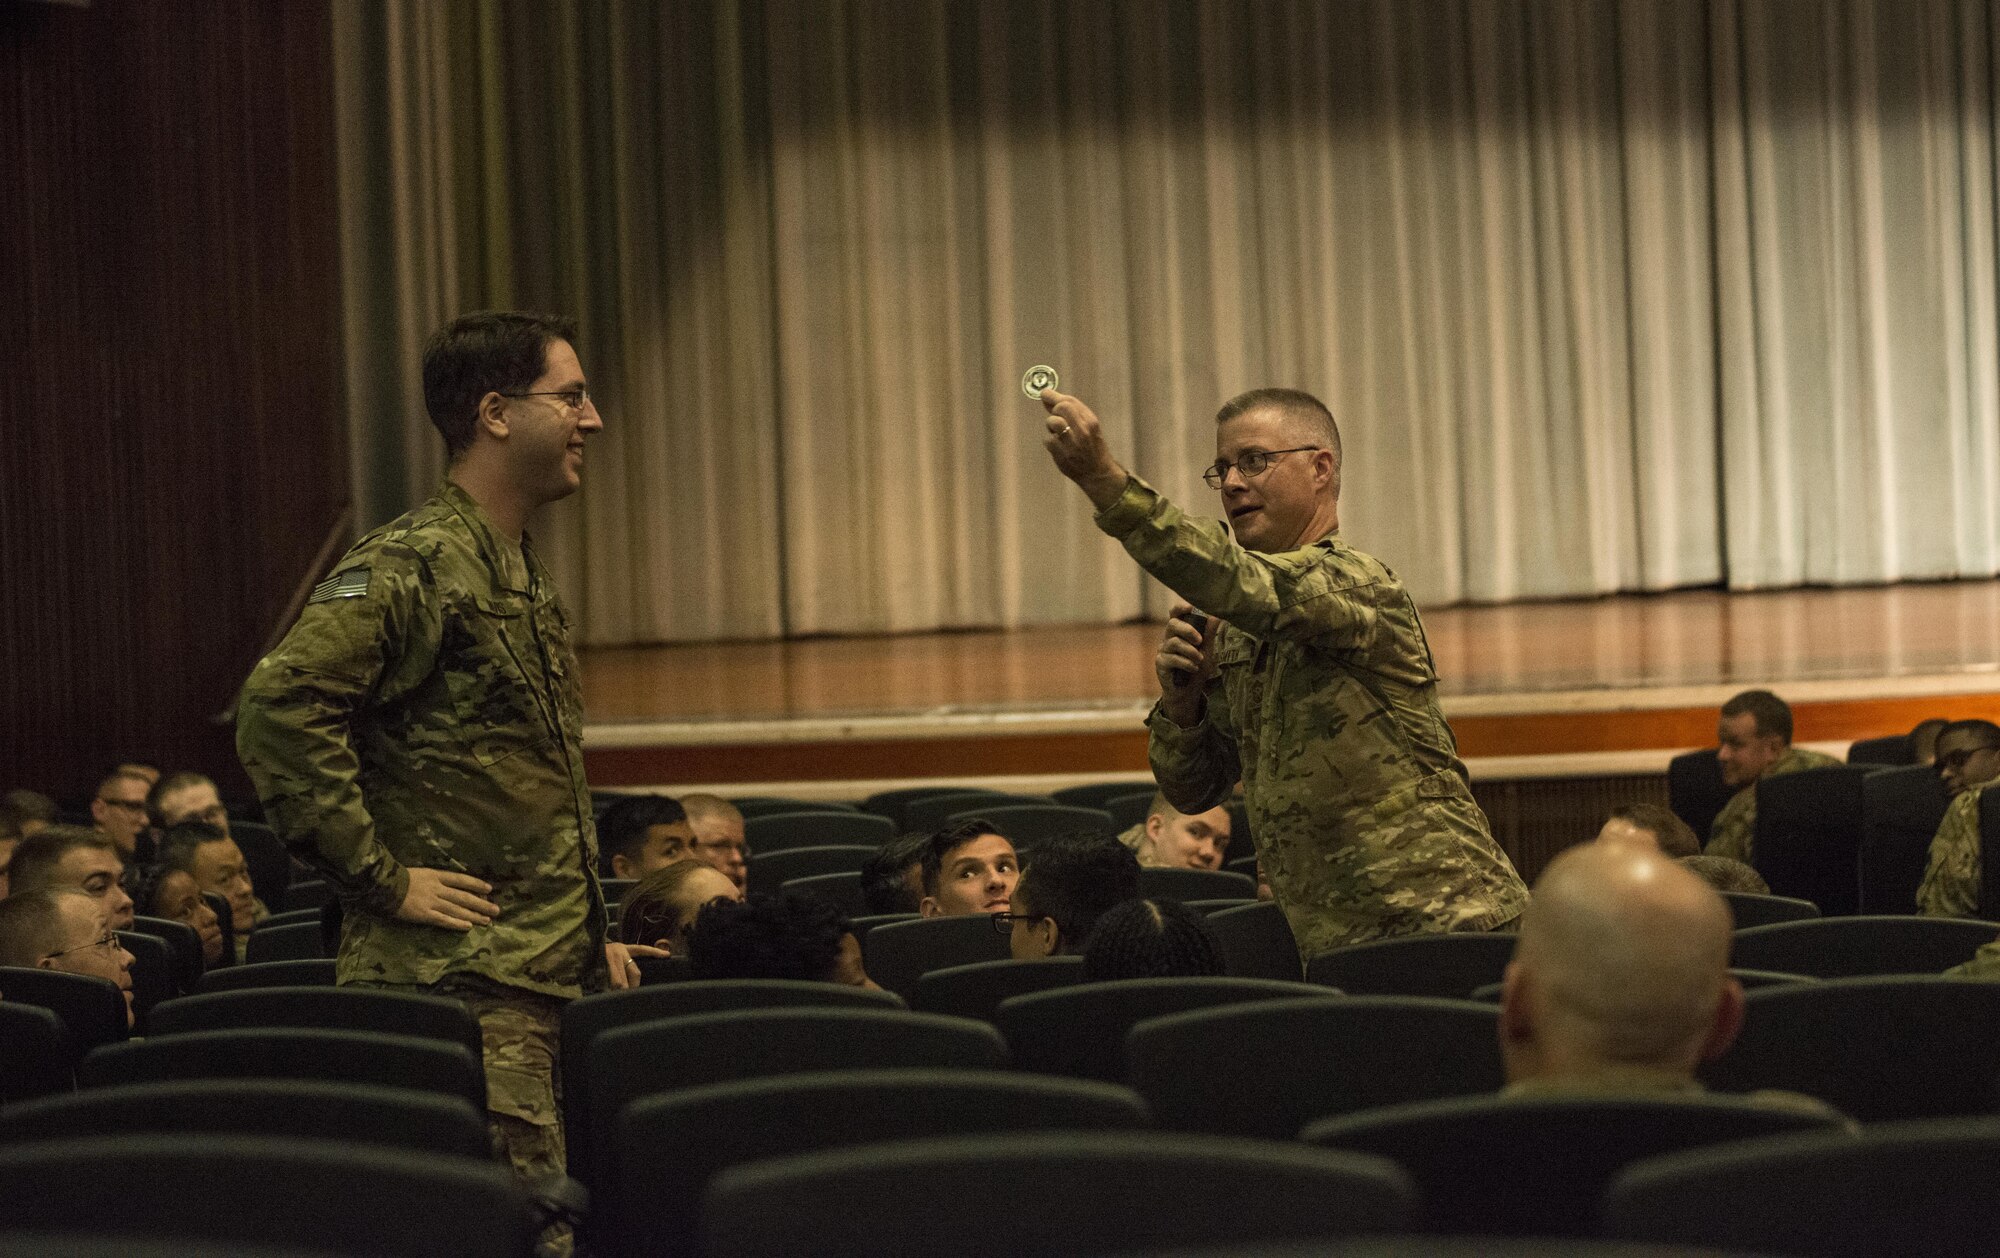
(1726, 873)
(178, 844)
(781, 936)
(883, 874)
(939, 847)
(19, 807)
(30, 927)
(36, 860)
(1677, 837)
(120, 774)
(1311, 415)
(490, 351)
(621, 831)
(1151, 939)
(1074, 878)
(1773, 715)
(653, 907)
(1987, 732)
(168, 785)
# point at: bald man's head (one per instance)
(1623, 964)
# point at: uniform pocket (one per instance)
(485, 656)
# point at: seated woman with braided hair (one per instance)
(662, 906)
(1151, 939)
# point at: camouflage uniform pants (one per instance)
(520, 1031)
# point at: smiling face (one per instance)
(1742, 752)
(545, 434)
(1291, 502)
(1176, 840)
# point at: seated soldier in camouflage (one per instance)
(640, 834)
(1657, 825)
(1620, 984)
(1968, 760)
(1755, 737)
(1171, 839)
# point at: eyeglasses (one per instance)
(1252, 465)
(576, 399)
(109, 942)
(129, 805)
(1003, 923)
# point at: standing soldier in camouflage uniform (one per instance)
(417, 735)
(1316, 688)
(1755, 741)
(1968, 759)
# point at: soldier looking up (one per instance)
(416, 738)
(1312, 683)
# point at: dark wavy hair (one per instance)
(490, 351)
(782, 936)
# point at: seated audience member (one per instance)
(67, 931)
(1070, 881)
(1151, 939)
(119, 810)
(968, 869)
(26, 813)
(718, 836)
(160, 891)
(1655, 822)
(1171, 839)
(1726, 875)
(791, 936)
(185, 796)
(207, 854)
(1923, 738)
(147, 771)
(640, 834)
(892, 880)
(1756, 742)
(659, 910)
(71, 858)
(9, 840)
(1620, 981)
(1968, 760)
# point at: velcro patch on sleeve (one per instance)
(352, 583)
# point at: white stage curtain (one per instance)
(1606, 296)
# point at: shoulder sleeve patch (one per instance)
(351, 583)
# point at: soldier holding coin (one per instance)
(1308, 678)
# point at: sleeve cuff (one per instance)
(1131, 509)
(1173, 737)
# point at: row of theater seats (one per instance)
(686, 1093)
(1852, 838)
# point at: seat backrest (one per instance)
(897, 954)
(1902, 1188)
(314, 893)
(1449, 966)
(587, 1018)
(225, 921)
(1846, 947)
(1893, 751)
(1028, 824)
(895, 804)
(928, 814)
(841, 890)
(1989, 851)
(92, 1009)
(1080, 1030)
(1257, 942)
(1535, 1165)
(298, 942)
(1195, 884)
(152, 970)
(770, 870)
(1875, 1048)
(1695, 789)
(862, 925)
(270, 974)
(1364, 1051)
(1750, 909)
(976, 990)
(38, 1056)
(291, 1053)
(615, 890)
(1098, 794)
(1130, 809)
(265, 860)
(184, 946)
(754, 806)
(290, 917)
(655, 1202)
(1808, 841)
(346, 1198)
(322, 1008)
(1091, 1192)
(778, 832)
(308, 1109)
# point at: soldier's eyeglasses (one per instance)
(1252, 465)
(575, 399)
(109, 942)
(1003, 923)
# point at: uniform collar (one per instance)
(510, 564)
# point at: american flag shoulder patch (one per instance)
(352, 583)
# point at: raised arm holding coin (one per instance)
(1313, 683)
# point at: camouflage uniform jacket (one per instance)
(1640, 1082)
(1735, 828)
(1324, 703)
(424, 711)
(1951, 879)
(1984, 966)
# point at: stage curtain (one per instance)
(1556, 265)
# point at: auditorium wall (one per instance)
(175, 452)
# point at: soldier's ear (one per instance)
(492, 416)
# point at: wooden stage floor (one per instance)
(1612, 685)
